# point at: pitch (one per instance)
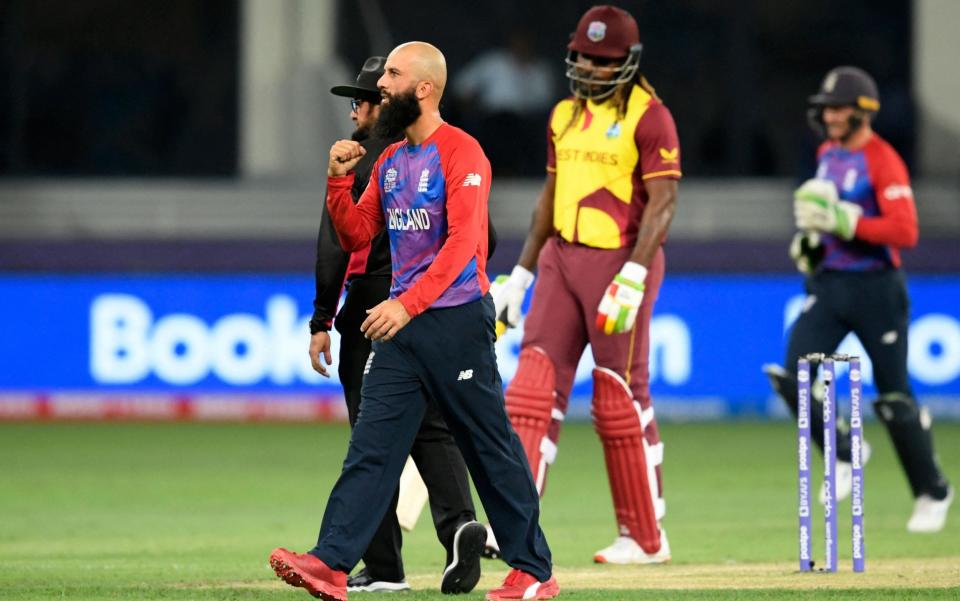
(191, 511)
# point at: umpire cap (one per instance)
(847, 86)
(366, 87)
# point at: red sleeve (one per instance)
(467, 174)
(551, 148)
(356, 224)
(896, 225)
(657, 143)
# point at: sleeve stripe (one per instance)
(662, 173)
(551, 169)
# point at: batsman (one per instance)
(613, 165)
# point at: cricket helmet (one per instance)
(844, 86)
(847, 86)
(604, 32)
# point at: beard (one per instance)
(397, 114)
(361, 133)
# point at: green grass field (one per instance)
(191, 511)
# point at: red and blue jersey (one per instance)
(432, 199)
(875, 178)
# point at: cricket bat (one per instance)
(413, 496)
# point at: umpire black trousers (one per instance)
(445, 356)
(434, 450)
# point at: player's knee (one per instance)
(896, 408)
(614, 409)
(532, 391)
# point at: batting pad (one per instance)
(530, 398)
(631, 461)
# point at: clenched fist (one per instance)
(344, 156)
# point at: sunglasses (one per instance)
(355, 104)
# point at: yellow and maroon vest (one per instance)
(601, 163)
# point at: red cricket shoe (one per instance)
(520, 585)
(306, 571)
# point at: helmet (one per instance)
(605, 32)
(844, 86)
(847, 86)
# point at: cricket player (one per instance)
(433, 339)
(854, 217)
(368, 275)
(613, 165)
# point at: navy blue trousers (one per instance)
(444, 355)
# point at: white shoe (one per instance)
(929, 514)
(625, 550)
(491, 549)
(844, 471)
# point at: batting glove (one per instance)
(806, 251)
(618, 309)
(508, 294)
(816, 206)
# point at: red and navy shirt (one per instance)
(432, 199)
(875, 178)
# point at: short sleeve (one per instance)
(657, 143)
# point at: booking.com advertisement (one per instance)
(235, 347)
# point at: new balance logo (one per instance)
(472, 179)
(465, 374)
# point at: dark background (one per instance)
(150, 88)
(113, 87)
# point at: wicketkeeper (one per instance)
(853, 218)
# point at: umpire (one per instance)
(854, 218)
(368, 275)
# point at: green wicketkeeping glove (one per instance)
(816, 206)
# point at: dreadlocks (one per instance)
(621, 97)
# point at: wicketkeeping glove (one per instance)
(618, 309)
(816, 206)
(508, 294)
(806, 251)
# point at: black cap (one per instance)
(847, 86)
(366, 88)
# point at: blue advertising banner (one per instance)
(242, 335)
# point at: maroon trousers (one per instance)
(571, 281)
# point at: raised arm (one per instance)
(356, 225)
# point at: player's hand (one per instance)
(385, 320)
(508, 294)
(621, 302)
(344, 156)
(320, 345)
(816, 206)
(806, 251)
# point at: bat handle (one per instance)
(502, 324)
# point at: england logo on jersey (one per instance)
(408, 219)
(424, 184)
